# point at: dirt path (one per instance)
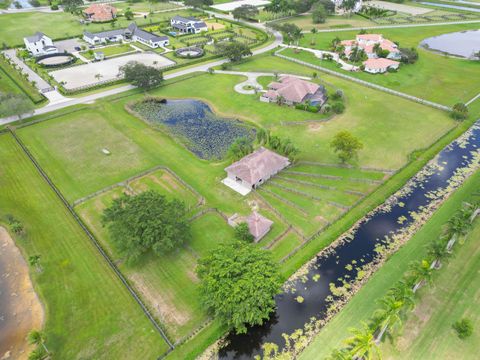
(20, 308)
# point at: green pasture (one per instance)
(89, 312)
(434, 77)
(453, 284)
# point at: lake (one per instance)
(463, 44)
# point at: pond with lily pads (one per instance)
(463, 44)
(192, 121)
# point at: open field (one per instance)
(168, 283)
(63, 25)
(12, 81)
(88, 310)
(108, 51)
(146, 7)
(69, 148)
(363, 304)
(428, 332)
(453, 79)
(333, 22)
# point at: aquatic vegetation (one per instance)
(194, 124)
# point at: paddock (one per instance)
(86, 75)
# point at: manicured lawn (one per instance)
(12, 81)
(147, 7)
(167, 283)
(89, 312)
(453, 80)
(363, 304)
(428, 333)
(333, 22)
(60, 25)
(109, 51)
(166, 184)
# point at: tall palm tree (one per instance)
(36, 354)
(438, 251)
(342, 354)
(423, 272)
(403, 292)
(362, 344)
(389, 315)
(38, 338)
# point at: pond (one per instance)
(463, 44)
(193, 122)
(361, 249)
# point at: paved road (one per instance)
(32, 75)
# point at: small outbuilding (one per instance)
(258, 225)
(254, 169)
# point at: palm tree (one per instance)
(423, 272)
(403, 292)
(438, 251)
(36, 354)
(362, 344)
(389, 315)
(38, 338)
(98, 76)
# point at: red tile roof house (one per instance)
(379, 66)
(258, 225)
(367, 43)
(293, 90)
(253, 170)
(100, 12)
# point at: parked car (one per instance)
(77, 48)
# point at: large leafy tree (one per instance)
(146, 222)
(319, 14)
(245, 12)
(72, 6)
(291, 32)
(140, 75)
(234, 51)
(238, 284)
(346, 145)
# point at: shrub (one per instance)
(54, 7)
(459, 111)
(337, 95)
(242, 232)
(463, 328)
(338, 107)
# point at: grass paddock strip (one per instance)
(94, 241)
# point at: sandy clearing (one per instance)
(20, 308)
(85, 75)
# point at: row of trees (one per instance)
(400, 299)
(280, 145)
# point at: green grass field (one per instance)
(63, 25)
(333, 22)
(109, 51)
(168, 283)
(89, 312)
(12, 81)
(456, 274)
(453, 79)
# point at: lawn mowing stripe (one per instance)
(301, 193)
(285, 201)
(331, 177)
(94, 241)
(346, 166)
(326, 187)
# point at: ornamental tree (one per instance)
(140, 75)
(346, 146)
(234, 51)
(147, 222)
(238, 284)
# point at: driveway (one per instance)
(41, 84)
(68, 45)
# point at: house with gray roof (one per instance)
(39, 44)
(254, 169)
(188, 25)
(131, 33)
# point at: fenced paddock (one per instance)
(94, 73)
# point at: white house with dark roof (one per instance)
(132, 32)
(253, 170)
(188, 25)
(39, 44)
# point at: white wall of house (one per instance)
(37, 48)
(102, 40)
